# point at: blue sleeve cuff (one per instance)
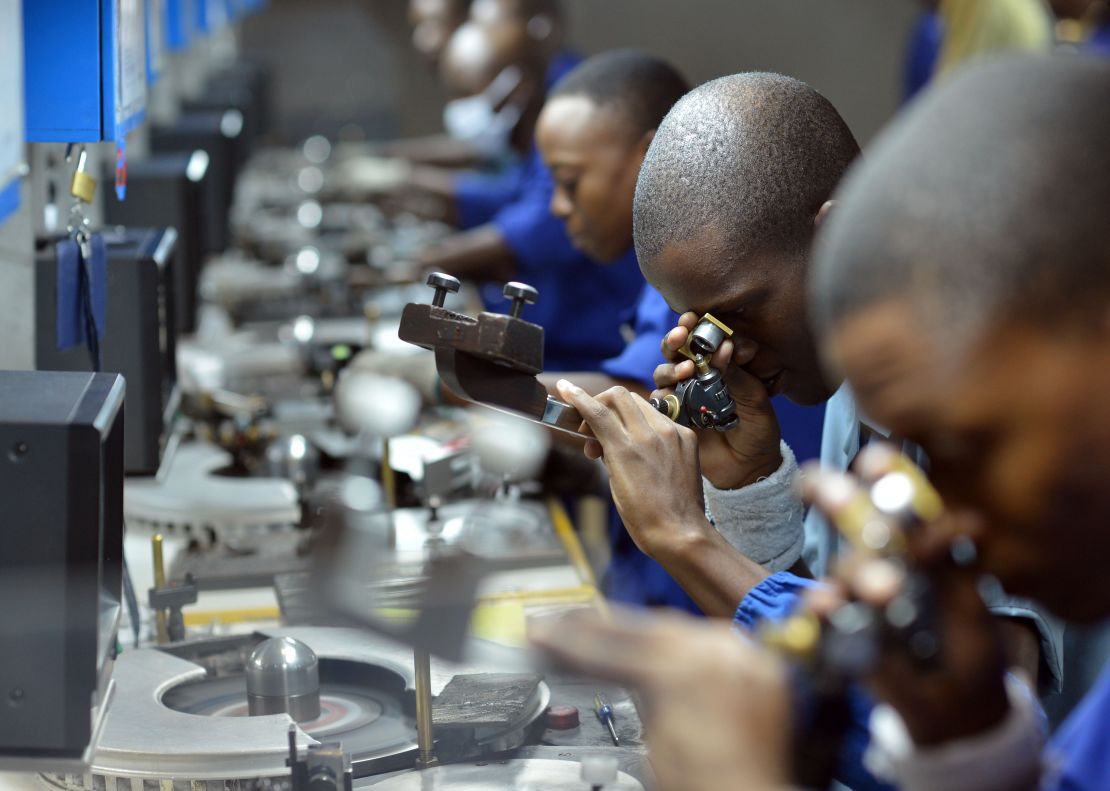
(774, 599)
(638, 361)
(479, 197)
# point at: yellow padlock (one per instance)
(83, 186)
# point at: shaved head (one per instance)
(523, 10)
(593, 134)
(989, 199)
(433, 22)
(534, 26)
(638, 88)
(749, 159)
(472, 59)
(962, 285)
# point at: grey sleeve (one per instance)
(762, 521)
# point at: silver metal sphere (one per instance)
(283, 675)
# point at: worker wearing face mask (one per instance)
(486, 120)
(490, 120)
(500, 66)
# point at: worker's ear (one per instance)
(823, 213)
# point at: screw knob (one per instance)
(521, 294)
(442, 284)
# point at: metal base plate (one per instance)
(361, 707)
(529, 774)
(178, 721)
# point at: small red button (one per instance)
(562, 717)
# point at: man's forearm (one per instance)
(438, 150)
(480, 254)
(437, 186)
(711, 571)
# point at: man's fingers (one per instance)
(602, 421)
(626, 651)
(627, 406)
(676, 338)
(830, 490)
(664, 376)
(655, 420)
(689, 320)
(592, 448)
(743, 350)
(672, 342)
(933, 543)
(723, 355)
(670, 374)
(877, 581)
(876, 460)
(821, 600)
(745, 389)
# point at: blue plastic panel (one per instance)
(85, 66)
(155, 39)
(11, 100)
(9, 199)
(212, 15)
(180, 24)
(124, 43)
(234, 10)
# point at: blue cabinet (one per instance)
(85, 69)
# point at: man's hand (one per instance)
(716, 707)
(962, 694)
(739, 457)
(652, 464)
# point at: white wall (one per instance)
(336, 61)
(850, 50)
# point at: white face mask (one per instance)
(475, 120)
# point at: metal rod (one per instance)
(425, 741)
(163, 633)
(389, 480)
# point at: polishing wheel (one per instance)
(180, 717)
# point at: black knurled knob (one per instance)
(521, 294)
(442, 284)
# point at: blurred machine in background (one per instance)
(168, 190)
(139, 336)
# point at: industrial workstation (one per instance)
(600, 395)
